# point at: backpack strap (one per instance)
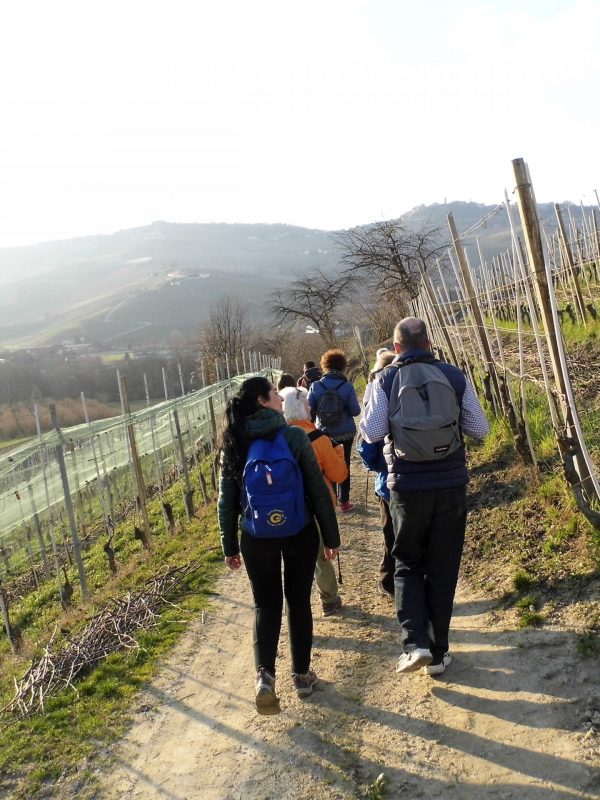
(427, 360)
(316, 434)
(334, 388)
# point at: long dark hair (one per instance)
(233, 443)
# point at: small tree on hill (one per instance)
(227, 331)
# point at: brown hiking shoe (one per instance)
(333, 607)
(266, 700)
(304, 683)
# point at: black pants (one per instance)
(342, 490)
(262, 558)
(430, 533)
(388, 562)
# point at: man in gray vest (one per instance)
(427, 478)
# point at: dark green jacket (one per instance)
(264, 425)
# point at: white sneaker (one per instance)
(411, 662)
(437, 669)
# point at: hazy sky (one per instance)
(324, 113)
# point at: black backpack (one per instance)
(330, 406)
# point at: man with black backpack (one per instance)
(422, 407)
(333, 400)
(310, 374)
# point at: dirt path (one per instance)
(509, 718)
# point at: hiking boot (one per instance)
(438, 666)
(333, 607)
(347, 506)
(417, 658)
(267, 701)
(304, 683)
(384, 591)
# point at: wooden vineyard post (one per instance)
(187, 419)
(363, 358)
(520, 260)
(596, 248)
(446, 300)
(438, 316)
(189, 489)
(38, 528)
(213, 428)
(472, 299)
(213, 421)
(571, 269)
(5, 618)
(47, 496)
(531, 230)
(60, 458)
(99, 482)
(160, 472)
(30, 555)
(137, 464)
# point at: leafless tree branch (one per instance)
(390, 257)
(314, 298)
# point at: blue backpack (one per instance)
(274, 491)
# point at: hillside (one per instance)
(136, 286)
(140, 284)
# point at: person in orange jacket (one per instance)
(330, 458)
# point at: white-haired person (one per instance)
(382, 359)
(330, 458)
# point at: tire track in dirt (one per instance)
(505, 721)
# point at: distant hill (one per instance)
(135, 286)
(138, 285)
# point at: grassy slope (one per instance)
(35, 752)
(526, 539)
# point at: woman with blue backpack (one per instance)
(333, 400)
(271, 488)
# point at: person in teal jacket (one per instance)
(255, 413)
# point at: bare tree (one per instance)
(294, 348)
(315, 298)
(379, 314)
(391, 257)
(227, 331)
